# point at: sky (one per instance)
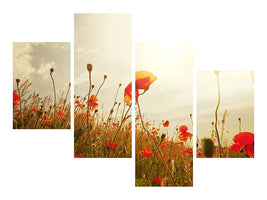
(170, 97)
(33, 60)
(104, 40)
(237, 96)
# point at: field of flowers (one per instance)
(160, 160)
(30, 111)
(97, 135)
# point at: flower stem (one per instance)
(216, 116)
(55, 99)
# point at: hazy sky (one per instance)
(170, 97)
(33, 60)
(104, 40)
(237, 96)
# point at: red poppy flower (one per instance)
(92, 102)
(200, 154)
(143, 79)
(77, 101)
(163, 145)
(146, 152)
(183, 128)
(15, 99)
(249, 150)
(60, 113)
(244, 141)
(128, 93)
(244, 138)
(188, 151)
(235, 147)
(15, 96)
(114, 145)
(185, 136)
(34, 110)
(114, 124)
(166, 123)
(154, 132)
(159, 180)
(80, 156)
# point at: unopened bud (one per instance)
(163, 136)
(89, 67)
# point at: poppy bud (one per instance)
(17, 80)
(105, 76)
(96, 110)
(119, 84)
(89, 67)
(93, 86)
(69, 84)
(207, 146)
(163, 136)
(51, 70)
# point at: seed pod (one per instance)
(89, 67)
(207, 146)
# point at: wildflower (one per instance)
(77, 101)
(92, 102)
(159, 180)
(147, 124)
(114, 124)
(143, 79)
(200, 154)
(15, 99)
(163, 145)
(80, 156)
(244, 141)
(146, 152)
(185, 136)
(188, 151)
(183, 128)
(80, 105)
(166, 123)
(60, 113)
(128, 93)
(34, 110)
(114, 145)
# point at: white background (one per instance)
(40, 164)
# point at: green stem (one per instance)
(216, 116)
(55, 99)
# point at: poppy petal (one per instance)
(143, 79)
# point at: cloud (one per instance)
(22, 60)
(44, 68)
